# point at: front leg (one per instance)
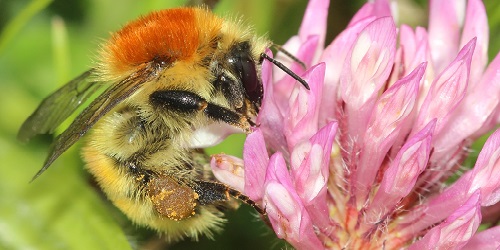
(188, 102)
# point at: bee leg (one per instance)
(188, 102)
(212, 192)
(170, 198)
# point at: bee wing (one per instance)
(113, 95)
(58, 106)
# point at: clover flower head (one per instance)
(363, 159)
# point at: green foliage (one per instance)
(43, 44)
(493, 12)
(13, 27)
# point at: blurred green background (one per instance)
(45, 43)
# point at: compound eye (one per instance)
(245, 68)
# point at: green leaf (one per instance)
(59, 210)
(13, 27)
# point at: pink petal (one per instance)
(369, 61)
(368, 66)
(406, 51)
(256, 161)
(476, 26)
(456, 230)
(313, 28)
(389, 115)
(314, 24)
(284, 83)
(304, 50)
(270, 117)
(445, 95)
(487, 93)
(487, 239)
(285, 210)
(366, 11)
(302, 115)
(229, 170)
(486, 172)
(415, 48)
(421, 56)
(446, 92)
(476, 109)
(400, 177)
(445, 21)
(438, 207)
(293, 45)
(334, 56)
(310, 161)
(379, 8)
(382, 8)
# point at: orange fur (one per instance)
(155, 37)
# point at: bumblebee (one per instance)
(169, 80)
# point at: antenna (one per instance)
(286, 70)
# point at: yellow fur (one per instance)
(116, 137)
(167, 77)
